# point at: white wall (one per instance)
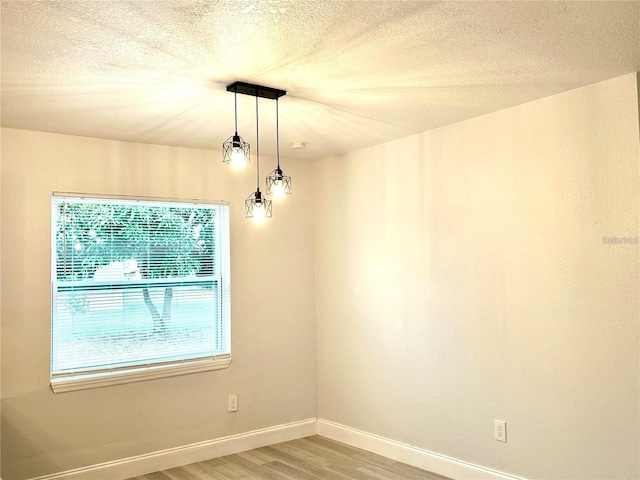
(461, 277)
(273, 331)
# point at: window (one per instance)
(140, 289)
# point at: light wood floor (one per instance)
(310, 458)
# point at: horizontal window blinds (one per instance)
(137, 283)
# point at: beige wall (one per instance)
(461, 277)
(273, 343)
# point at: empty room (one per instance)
(309, 239)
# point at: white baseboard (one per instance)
(433, 462)
(196, 452)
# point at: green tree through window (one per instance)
(136, 278)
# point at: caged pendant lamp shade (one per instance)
(258, 207)
(235, 151)
(278, 184)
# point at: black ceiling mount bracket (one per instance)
(256, 90)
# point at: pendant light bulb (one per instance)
(239, 156)
(259, 213)
(277, 190)
(278, 184)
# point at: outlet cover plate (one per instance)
(500, 430)
(232, 402)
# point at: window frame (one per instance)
(147, 370)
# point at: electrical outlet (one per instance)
(232, 402)
(500, 430)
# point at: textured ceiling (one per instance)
(357, 73)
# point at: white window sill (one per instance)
(96, 380)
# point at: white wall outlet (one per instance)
(500, 430)
(232, 402)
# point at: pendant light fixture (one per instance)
(278, 184)
(256, 206)
(235, 150)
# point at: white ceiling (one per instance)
(357, 73)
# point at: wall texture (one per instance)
(462, 277)
(273, 329)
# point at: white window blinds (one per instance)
(137, 283)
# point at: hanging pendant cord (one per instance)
(277, 136)
(235, 100)
(257, 148)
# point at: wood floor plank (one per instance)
(299, 458)
(350, 472)
(398, 468)
(309, 458)
(284, 455)
(291, 473)
(257, 471)
(332, 455)
(257, 456)
(229, 472)
(157, 476)
(383, 474)
(300, 454)
(203, 471)
(338, 454)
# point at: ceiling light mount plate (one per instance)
(256, 90)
